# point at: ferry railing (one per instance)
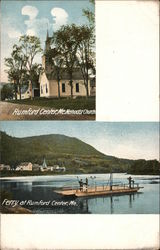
(93, 187)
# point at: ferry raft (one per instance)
(104, 190)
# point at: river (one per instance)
(38, 194)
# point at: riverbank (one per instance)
(14, 210)
(23, 174)
(65, 175)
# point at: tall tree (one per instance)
(85, 53)
(21, 62)
(12, 74)
(17, 69)
(66, 45)
(30, 48)
(90, 14)
(56, 60)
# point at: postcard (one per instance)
(79, 157)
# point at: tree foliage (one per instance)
(30, 47)
(55, 59)
(66, 46)
(90, 14)
(7, 92)
(16, 69)
(145, 167)
(73, 50)
(85, 53)
(22, 67)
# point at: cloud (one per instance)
(30, 32)
(60, 17)
(12, 33)
(30, 11)
(37, 26)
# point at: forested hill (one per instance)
(45, 145)
(76, 155)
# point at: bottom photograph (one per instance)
(75, 167)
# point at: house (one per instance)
(49, 84)
(24, 166)
(57, 168)
(36, 167)
(26, 92)
(50, 168)
(4, 167)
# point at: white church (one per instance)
(49, 85)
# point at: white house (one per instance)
(4, 167)
(26, 92)
(24, 166)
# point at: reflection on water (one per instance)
(42, 188)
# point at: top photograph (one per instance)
(48, 60)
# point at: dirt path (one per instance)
(12, 111)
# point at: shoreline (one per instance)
(156, 176)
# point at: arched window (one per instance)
(77, 87)
(46, 88)
(63, 87)
(41, 89)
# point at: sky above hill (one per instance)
(132, 140)
(34, 18)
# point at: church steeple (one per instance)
(47, 42)
(44, 165)
(47, 35)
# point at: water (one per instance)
(41, 188)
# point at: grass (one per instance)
(63, 103)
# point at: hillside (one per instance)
(76, 155)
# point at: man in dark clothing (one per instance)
(130, 181)
(86, 183)
(81, 184)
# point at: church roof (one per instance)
(77, 75)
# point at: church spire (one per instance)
(44, 165)
(47, 35)
(47, 42)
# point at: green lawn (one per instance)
(65, 103)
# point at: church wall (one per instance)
(52, 88)
(44, 86)
(82, 89)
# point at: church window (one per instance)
(63, 87)
(77, 87)
(46, 88)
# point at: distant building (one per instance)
(4, 167)
(54, 168)
(50, 168)
(36, 167)
(24, 166)
(57, 168)
(25, 93)
(48, 79)
(44, 166)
